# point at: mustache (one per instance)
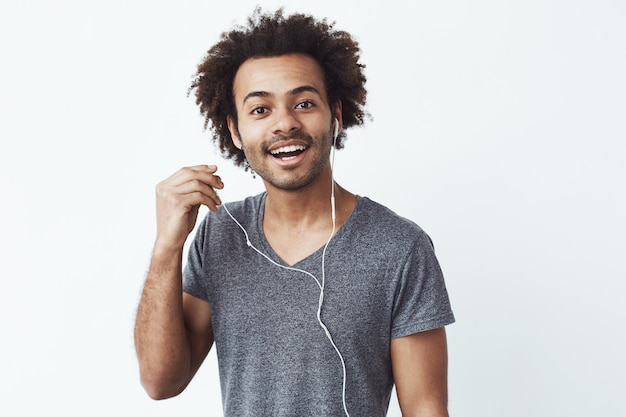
(308, 139)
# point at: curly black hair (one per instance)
(270, 35)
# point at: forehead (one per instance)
(277, 76)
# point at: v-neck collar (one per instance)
(317, 254)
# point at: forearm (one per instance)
(160, 337)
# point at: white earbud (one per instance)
(336, 128)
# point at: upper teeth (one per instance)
(285, 149)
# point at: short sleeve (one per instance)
(421, 301)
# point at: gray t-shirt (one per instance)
(382, 281)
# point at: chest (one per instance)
(293, 246)
(266, 302)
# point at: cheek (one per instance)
(245, 131)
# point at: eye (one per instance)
(305, 105)
(258, 111)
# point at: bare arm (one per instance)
(173, 331)
(420, 369)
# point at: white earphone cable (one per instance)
(321, 284)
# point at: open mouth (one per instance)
(288, 152)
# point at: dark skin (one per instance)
(281, 104)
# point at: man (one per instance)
(318, 300)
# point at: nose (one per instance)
(286, 122)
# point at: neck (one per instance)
(309, 207)
(298, 222)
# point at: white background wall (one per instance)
(499, 127)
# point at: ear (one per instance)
(234, 132)
(338, 114)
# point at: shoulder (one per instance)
(242, 210)
(249, 206)
(231, 215)
(384, 222)
(376, 232)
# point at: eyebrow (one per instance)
(294, 92)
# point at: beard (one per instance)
(292, 179)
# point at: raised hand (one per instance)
(178, 199)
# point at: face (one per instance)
(285, 123)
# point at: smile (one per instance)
(288, 152)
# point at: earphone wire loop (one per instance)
(321, 284)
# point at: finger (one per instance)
(208, 168)
(196, 198)
(178, 196)
(195, 186)
(203, 173)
